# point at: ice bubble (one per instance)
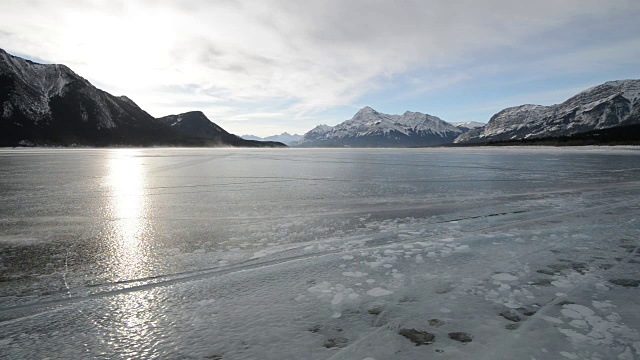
(337, 299)
(579, 324)
(602, 304)
(550, 319)
(574, 335)
(568, 355)
(325, 285)
(379, 292)
(504, 277)
(581, 309)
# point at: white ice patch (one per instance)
(337, 299)
(504, 277)
(550, 319)
(206, 302)
(580, 309)
(626, 355)
(575, 336)
(324, 287)
(379, 292)
(355, 274)
(581, 324)
(602, 287)
(568, 355)
(601, 305)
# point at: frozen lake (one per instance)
(320, 253)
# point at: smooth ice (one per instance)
(320, 254)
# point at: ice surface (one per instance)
(270, 254)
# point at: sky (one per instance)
(263, 67)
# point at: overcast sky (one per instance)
(266, 66)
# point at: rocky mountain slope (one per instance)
(197, 128)
(52, 105)
(614, 103)
(370, 128)
(49, 104)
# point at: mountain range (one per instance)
(612, 104)
(49, 104)
(606, 106)
(370, 128)
(284, 138)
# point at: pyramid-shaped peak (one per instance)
(366, 110)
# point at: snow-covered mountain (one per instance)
(49, 104)
(317, 133)
(284, 138)
(614, 103)
(369, 128)
(468, 125)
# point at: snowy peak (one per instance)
(284, 138)
(367, 115)
(369, 127)
(48, 104)
(321, 128)
(366, 110)
(128, 101)
(369, 121)
(37, 82)
(629, 89)
(317, 133)
(425, 123)
(614, 103)
(468, 125)
(48, 80)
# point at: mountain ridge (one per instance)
(50, 105)
(285, 138)
(611, 104)
(199, 129)
(370, 128)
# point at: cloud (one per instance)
(308, 56)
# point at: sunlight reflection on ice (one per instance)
(133, 335)
(128, 245)
(127, 209)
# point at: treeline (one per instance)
(621, 135)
